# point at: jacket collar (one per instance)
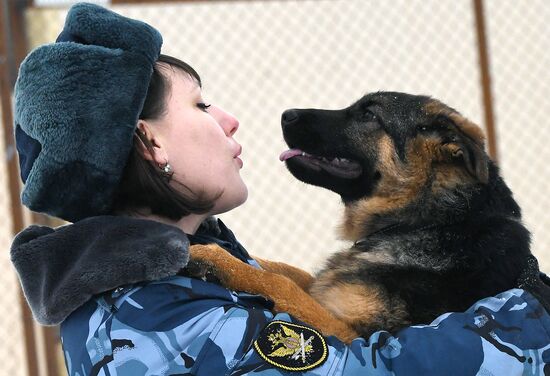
(213, 230)
(62, 268)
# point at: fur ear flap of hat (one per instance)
(77, 103)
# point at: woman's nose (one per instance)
(228, 122)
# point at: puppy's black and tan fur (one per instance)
(433, 225)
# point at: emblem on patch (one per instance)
(291, 347)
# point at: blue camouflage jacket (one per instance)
(113, 285)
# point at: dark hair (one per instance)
(144, 185)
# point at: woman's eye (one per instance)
(203, 106)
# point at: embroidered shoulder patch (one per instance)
(291, 347)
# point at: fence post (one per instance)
(484, 66)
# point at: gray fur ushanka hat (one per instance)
(77, 103)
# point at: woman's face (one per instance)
(198, 143)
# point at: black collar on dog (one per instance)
(366, 242)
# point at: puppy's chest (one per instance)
(345, 288)
(352, 288)
(353, 264)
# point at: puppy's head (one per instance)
(385, 151)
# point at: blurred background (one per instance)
(487, 58)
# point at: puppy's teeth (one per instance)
(303, 154)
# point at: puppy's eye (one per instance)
(423, 128)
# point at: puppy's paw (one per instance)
(203, 262)
(200, 270)
(214, 262)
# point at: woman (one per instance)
(140, 163)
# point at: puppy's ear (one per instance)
(460, 139)
(472, 155)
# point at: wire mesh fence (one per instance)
(258, 58)
(12, 360)
(519, 49)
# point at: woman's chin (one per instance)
(231, 199)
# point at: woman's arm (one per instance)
(185, 326)
(504, 335)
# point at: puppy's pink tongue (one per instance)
(289, 154)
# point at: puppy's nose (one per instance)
(289, 117)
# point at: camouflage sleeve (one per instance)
(181, 326)
(508, 334)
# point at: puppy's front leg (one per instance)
(297, 275)
(287, 295)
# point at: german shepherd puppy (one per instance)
(434, 227)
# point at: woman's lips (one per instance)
(236, 156)
(239, 151)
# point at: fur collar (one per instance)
(62, 268)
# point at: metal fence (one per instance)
(258, 58)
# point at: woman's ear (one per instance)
(150, 145)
